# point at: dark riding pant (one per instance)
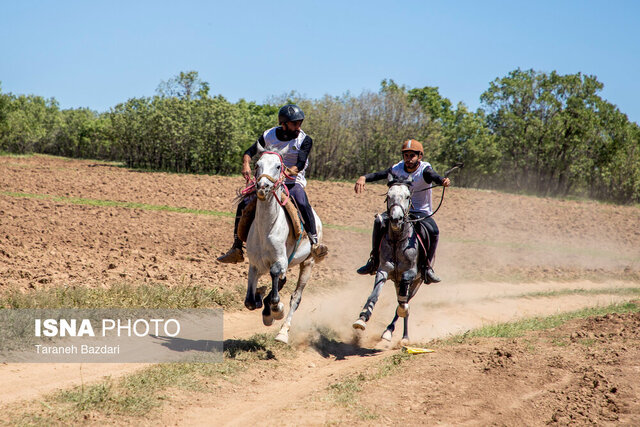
(302, 202)
(429, 233)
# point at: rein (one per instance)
(446, 174)
(251, 187)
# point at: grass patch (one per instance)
(564, 292)
(137, 394)
(8, 154)
(150, 207)
(347, 228)
(345, 393)
(113, 203)
(120, 296)
(518, 328)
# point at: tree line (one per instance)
(535, 132)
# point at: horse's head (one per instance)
(269, 171)
(398, 200)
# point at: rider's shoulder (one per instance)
(270, 131)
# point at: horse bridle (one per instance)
(405, 213)
(276, 182)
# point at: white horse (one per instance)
(271, 247)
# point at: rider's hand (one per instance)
(446, 182)
(359, 188)
(246, 171)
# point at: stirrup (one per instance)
(429, 276)
(319, 251)
(368, 268)
(233, 256)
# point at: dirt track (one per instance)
(495, 249)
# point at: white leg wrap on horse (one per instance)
(283, 335)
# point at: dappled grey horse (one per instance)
(399, 253)
(271, 247)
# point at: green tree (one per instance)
(186, 85)
(545, 125)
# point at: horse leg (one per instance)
(296, 297)
(269, 314)
(388, 333)
(365, 314)
(278, 312)
(250, 300)
(403, 298)
(405, 334)
(277, 270)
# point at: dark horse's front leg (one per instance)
(403, 292)
(365, 314)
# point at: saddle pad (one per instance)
(249, 213)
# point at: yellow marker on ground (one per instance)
(417, 350)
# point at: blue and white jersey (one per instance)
(291, 157)
(421, 197)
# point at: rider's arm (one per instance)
(377, 176)
(430, 176)
(303, 153)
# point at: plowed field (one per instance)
(80, 223)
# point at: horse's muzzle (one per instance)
(396, 225)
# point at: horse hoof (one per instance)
(258, 301)
(386, 335)
(359, 324)
(250, 305)
(404, 341)
(278, 311)
(283, 338)
(267, 320)
(402, 310)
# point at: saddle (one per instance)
(249, 213)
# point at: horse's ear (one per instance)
(261, 149)
(285, 150)
(410, 180)
(390, 178)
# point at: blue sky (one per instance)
(98, 53)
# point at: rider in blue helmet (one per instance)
(288, 134)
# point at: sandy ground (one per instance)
(495, 251)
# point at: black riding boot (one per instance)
(376, 238)
(429, 234)
(235, 254)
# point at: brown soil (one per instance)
(494, 249)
